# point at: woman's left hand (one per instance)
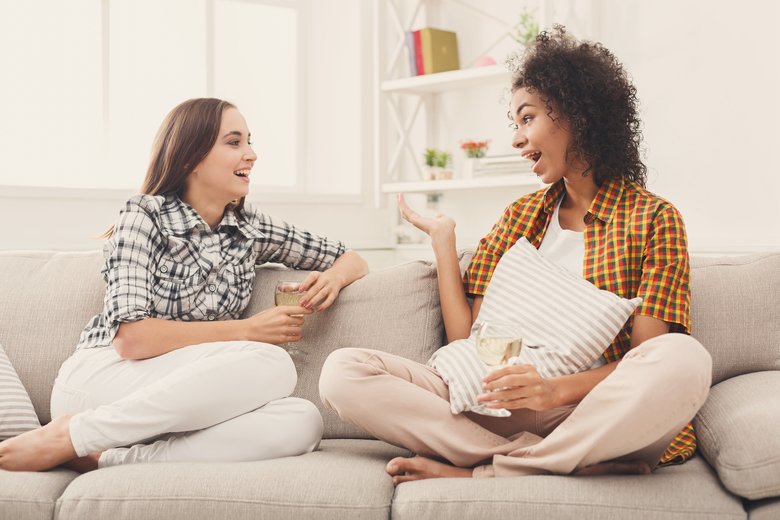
(518, 386)
(321, 289)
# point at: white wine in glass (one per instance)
(498, 342)
(289, 294)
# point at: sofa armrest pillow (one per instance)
(17, 414)
(737, 430)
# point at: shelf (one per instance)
(462, 184)
(445, 81)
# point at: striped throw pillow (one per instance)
(566, 323)
(17, 414)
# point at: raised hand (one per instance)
(440, 228)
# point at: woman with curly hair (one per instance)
(574, 113)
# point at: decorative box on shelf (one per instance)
(496, 165)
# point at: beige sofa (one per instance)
(46, 298)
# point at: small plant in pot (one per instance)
(438, 163)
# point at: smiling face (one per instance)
(542, 138)
(223, 175)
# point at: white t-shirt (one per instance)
(567, 249)
(563, 246)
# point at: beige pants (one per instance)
(633, 414)
(213, 402)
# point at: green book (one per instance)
(439, 50)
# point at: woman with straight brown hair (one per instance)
(167, 371)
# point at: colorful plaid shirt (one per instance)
(164, 261)
(635, 245)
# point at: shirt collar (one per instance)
(177, 217)
(602, 207)
(243, 226)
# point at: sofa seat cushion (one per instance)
(344, 479)
(768, 509)
(32, 496)
(738, 434)
(689, 491)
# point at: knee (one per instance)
(305, 428)
(686, 363)
(337, 376)
(276, 358)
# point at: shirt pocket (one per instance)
(177, 289)
(236, 284)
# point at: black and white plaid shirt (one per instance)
(163, 261)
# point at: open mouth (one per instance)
(241, 173)
(533, 156)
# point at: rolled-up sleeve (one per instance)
(286, 244)
(664, 286)
(490, 250)
(129, 255)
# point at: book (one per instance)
(439, 50)
(411, 53)
(418, 52)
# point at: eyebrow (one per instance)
(236, 133)
(522, 107)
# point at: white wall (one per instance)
(708, 75)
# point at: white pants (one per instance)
(213, 402)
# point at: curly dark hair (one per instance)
(587, 85)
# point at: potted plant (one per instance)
(526, 29)
(438, 163)
(474, 150)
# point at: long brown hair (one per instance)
(186, 136)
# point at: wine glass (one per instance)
(289, 294)
(498, 342)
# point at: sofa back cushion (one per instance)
(395, 309)
(735, 312)
(47, 298)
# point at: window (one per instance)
(89, 82)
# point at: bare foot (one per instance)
(85, 463)
(418, 468)
(634, 467)
(39, 449)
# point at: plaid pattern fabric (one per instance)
(163, 261)
(635, 245)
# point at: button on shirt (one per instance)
(635, 245)
(163, 261)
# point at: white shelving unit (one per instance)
(503, 181)
(447, 81)
(408, 110)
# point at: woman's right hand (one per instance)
(440, 229)
(277, 325)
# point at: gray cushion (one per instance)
(738, 433)
(735, 312)
(768, 509)
(394, 309)
(31, 496)
(46, 299)
(344, 480)
(690, 491)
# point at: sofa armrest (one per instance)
(737, 430)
